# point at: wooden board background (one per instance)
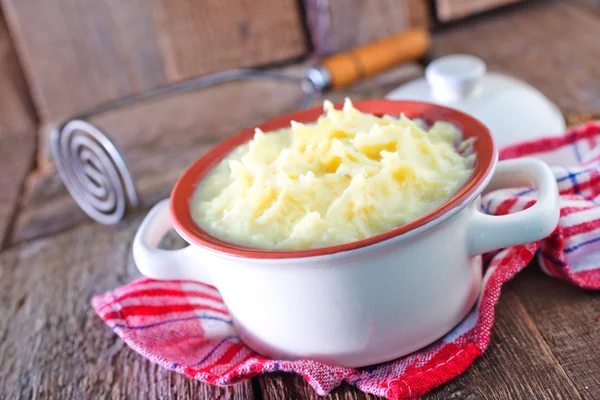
(17, 112)
(80, 53)
(450, 10)
(18, 122)
(338, 25)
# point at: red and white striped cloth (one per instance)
(185, 327)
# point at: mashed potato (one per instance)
(346, 177)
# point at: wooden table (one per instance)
(546, 339)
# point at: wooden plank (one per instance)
(235, 33)
(159, 140)
(517, 365)
(80, 53)
(17, 154)
(293, 386)
(17, 115)
(52, 345)
(569, 320)
(533, 42)
(449, 10)
(336, 25)
(419, 13)
(17, 131)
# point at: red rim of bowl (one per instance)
(186, 185)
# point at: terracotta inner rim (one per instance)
(184, 189)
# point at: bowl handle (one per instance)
(162, 264)
(489, 232)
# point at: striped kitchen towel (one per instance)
(185, 327)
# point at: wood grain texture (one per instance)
(338, 25)
(419, 13)
(17, 131)
(578, 119)
(517, 365)
(292, 386)
(449, 10)
(52, 345)
(197, 37)
(80, 53)
(17, 154)
(17, 115)
(568, 319)
(160, 139)
(551, 45)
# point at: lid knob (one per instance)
(455, 77)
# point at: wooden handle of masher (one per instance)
(348, 67)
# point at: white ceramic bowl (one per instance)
(363, 302)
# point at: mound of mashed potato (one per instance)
(346, 177)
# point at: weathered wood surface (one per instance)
(78, 54)
(52, 345)
(16, 160)
(518, 364)
(449, 10)
(17, 132)
(17, 115)
(568, 319)
(291, 386)
(338, 25)
(161, 139)
(205, 36)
